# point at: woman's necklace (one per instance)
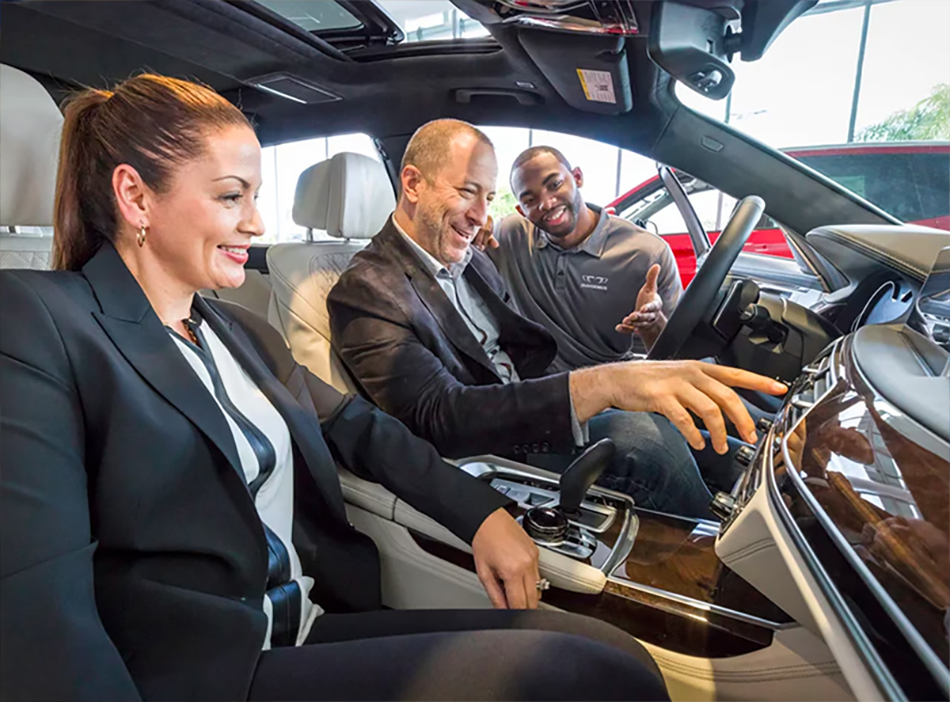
(190, 332)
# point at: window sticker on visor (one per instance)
(598, 85)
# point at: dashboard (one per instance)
(856, 469)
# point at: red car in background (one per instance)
(909, 180)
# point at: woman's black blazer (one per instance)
(132, 559)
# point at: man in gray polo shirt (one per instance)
(591, 279)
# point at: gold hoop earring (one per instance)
(143, 232)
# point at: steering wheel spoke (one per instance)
(701, 294)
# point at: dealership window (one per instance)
(281, 166)
(853, 80)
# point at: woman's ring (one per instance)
(543, 584)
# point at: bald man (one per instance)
(422, 321)
(593, 280)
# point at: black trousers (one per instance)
(460, 655)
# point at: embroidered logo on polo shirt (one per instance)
(594, 282)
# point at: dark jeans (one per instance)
(654, 464)
(459, 655)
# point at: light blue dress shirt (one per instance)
(478, 318)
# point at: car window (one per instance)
(909, 183)
(658, 212)
(653, 208)
(607, 169)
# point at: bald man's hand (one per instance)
(486, 236)
(673, 389)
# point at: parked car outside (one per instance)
(909, 180)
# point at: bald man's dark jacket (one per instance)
(412, 354)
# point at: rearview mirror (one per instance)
(689, 43)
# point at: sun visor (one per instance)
(589, 72)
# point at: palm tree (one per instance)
(928, 120)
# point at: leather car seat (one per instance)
(350, 197)
(30, 128)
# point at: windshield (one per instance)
(859, 91)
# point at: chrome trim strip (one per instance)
(704, 606)
(862, 645)
(927, 654)
(624, 545)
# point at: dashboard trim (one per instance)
(860, 639)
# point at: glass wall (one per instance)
(859, 91)
(817, 85)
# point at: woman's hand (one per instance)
(506, 560)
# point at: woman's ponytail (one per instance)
(75, 237)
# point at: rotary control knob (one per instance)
(545, 524)
(764, 425)
(744, 455)
(723, 505)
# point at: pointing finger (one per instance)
(738, 378)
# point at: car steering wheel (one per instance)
(701, 292)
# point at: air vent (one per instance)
(293, 88)
(816, 380)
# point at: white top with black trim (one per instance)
(264, 448)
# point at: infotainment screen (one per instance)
(933, 302)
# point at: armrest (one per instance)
(563, 572)
(372, 497)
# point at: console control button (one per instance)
(744, 455)
(545, 524)
(723, 504)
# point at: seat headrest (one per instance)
(349, 196)
(30, 128)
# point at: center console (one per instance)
(662, 580)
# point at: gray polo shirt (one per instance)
(581, 294)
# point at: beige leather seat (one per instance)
(350, 197)
(255, 293)
(30, 126)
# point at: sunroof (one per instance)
(432, 20)
(313, 16)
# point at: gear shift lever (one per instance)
(550, 524)
(582, 473)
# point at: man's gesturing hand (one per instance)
(647, 319)
(673, 389)
(506, 560)
(485, 238)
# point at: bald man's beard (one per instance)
(436, 230)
